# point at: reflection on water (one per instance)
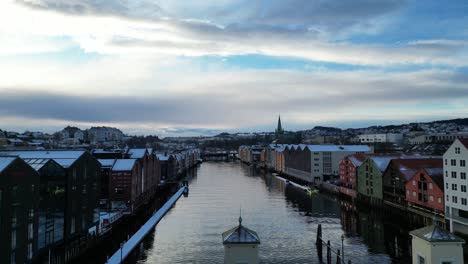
(285, 218)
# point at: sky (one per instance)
(199, 67)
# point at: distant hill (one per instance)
(458, 121)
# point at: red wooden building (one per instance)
(348, 174)
(425, 190)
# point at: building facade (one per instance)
(456, 195)
(425, 190)
(19, 189)
(348, 174)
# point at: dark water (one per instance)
(283, 216)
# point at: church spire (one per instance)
(279, 129)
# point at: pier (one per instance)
(129, 245)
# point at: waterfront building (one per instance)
(348, 174)
(399, 172)
(19, 192)
(106, 170)
(369, 177)
(396, 138)
(315, 163)
(124, 186)
(166, 165)
(434, 245)
(148, 177)
(425, 190)
(240, 245)
(80, 186)
(279, 159)
(456, 195)
(250, 154)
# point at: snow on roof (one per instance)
(5, 162)
(137, 153)
(436, 234)
(107, 163)
(162, 157)
(37, 164)
(124, 164)
(65, 158)
(409, 166)
(15, 140)
(357, 159)
(352, 148)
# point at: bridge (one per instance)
(220, 155)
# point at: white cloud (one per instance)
(111, 34)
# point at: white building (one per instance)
(434, 245)
(103, 134)
(240, 245)
(381, 138)
(456, 195)
(436, 138)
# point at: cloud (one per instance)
(234, 99)
(120, 33)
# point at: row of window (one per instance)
(430, 184)
(455, 200)
(453, 162)
(454, 175)
(454, 187)
(431, 198)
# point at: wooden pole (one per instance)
(328, 252)
(338, 257)
(319, 243)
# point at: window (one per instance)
(463, 201)
(31, 213)
(13, 216)
(446, 173)
(445, 161)
(454, 187)
(446, 262)
(13, 257)
(421, 260)
(454, 174)
(414, 182)
(457, 150)
(84, 189)
(447, 198)
(431, 198)
(446, 185)
(463, 175)
(30, 231)
(463, 188)
(462, 163)
(30, 251)
(72, 226)
(454, 199)
(414, 194)
(453, 162)
(430, 185)
(13, 239)
(439, 200)
(407, 192)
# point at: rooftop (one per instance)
(107, 163)
(137, 153)
(464, 141)
(5, 162)
(124, 164)
(63, 157)
(436, 234)
(240, 235)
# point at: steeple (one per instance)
(279, 129)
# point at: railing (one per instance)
(340, 258)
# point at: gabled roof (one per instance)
(464, 141)
(107, 163)
(65, 158)
(137, 153)
(162, 157)
(408, 167)
(437, 175)
(5, 162)
(436, 234)
(357, 159)
(124, 164)
(240, 235)
(37, 164)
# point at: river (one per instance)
(283, 216)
